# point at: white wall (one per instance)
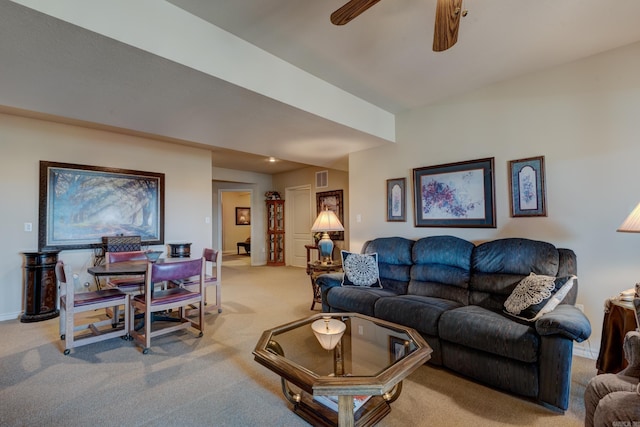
(582, 117)
(24, 142)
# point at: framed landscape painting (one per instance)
(455, 194)
(79, 204)
(526, 186)
(396, 199)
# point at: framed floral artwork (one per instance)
(455, 195)
(396, 199)
(527, 187)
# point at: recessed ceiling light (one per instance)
(272, 159)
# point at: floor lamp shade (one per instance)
(632, 223)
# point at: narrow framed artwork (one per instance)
(80, 204)
(527, 187)
(332, 200)
(243, 216)
(397, 199)
(455, 194)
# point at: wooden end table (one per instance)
(315, 269)
(619, 318)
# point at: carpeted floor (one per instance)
(214, 381)
(233, 259)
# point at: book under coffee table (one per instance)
(369, 364)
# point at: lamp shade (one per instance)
(328, 331)
(327, 221)
(632, 223)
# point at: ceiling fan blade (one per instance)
(351, 10)
(445, 31)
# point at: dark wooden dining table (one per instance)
(127, 268)
(124, 268)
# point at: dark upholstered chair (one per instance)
(211, 279)
(132, 285)
(614, 399)
(72, 304)
(177, 298)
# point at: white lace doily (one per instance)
(531, 290)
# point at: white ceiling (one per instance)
(384, 57)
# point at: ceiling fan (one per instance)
(445, 32)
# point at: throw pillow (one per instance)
(536, 295)
(360, 269)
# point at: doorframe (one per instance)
(288, 225)
(219, 214)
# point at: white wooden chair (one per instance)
(72, 304)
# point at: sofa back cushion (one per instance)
(499, 265)
(441, 268)
(394, 261)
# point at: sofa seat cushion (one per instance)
(355, 299)
(418, 312)
(489, 331)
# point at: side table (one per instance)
(180, 250)
(619, 318)
(40, 286)
(315, 269)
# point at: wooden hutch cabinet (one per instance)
(275, 232)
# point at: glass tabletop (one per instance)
(368, 347)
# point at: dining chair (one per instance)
(212, 278)
(133, 285)
(171, 298)
(72, 304)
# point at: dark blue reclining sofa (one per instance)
(453, 292)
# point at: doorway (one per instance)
(235, 227)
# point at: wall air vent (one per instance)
(322, 179)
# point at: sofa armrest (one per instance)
(631, 348)
(565, 320)
(326, 282)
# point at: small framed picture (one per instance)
(243, 216)
(398, 348)
(527, 187)
(397, 199)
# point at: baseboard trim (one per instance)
(584, 349)
(10, 316)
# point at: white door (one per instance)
(297, 224)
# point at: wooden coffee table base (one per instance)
(317, 414)
(371, 359)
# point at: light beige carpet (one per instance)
(214, 381)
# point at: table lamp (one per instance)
(328, 331)
(326, 221)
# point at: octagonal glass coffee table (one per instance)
(354, 383)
